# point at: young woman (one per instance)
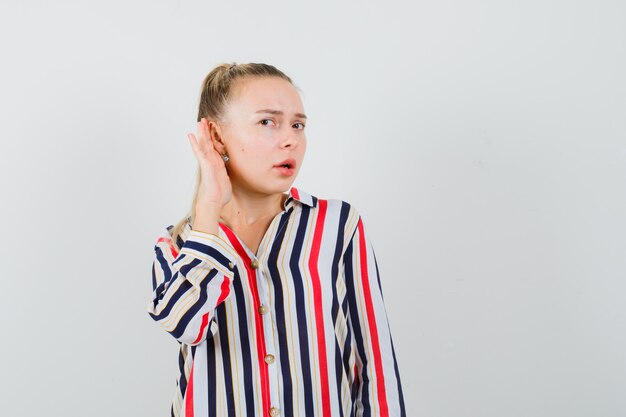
(274, 296)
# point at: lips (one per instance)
(289, 163)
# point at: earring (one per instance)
(225, 157)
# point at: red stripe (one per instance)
(260, 336)
(205, 321)
(205, 318)
(317, 297)
(295, 193)
(170, 243)
(189, 394)
(225, 290)
(371, 320)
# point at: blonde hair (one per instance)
(215, 94)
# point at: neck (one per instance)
(246, 209)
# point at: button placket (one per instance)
(268, 329)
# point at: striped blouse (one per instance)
(297, 329)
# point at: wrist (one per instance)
(208, 207)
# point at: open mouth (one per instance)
(286, 167)
(287, 163)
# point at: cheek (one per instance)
(302, 148)
(256, 157)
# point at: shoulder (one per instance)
(334, 209)
(328, 204)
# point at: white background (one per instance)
(484, 143)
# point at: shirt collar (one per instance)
(298, 194)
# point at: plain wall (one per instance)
(484, 143)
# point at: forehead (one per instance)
(254, 93)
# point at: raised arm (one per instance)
(377, 380)
(189, 285)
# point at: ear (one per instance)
(215, 133)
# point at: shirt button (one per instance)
(231, 265)
(263, 309)
(254, 264)
(274, 411)
(269, 358)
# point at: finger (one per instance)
(194, 145)
(201, 140)
(200, 132)
(192, 141)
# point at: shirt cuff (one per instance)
(212, 249)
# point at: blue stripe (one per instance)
(356, 327)
(294, 266)
(222, 322)
(182, 381)
(244, 340)
(212, 377)
(339, 374)
(206, 250)
(399, 384)
(160, 259)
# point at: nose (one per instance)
(289, 140)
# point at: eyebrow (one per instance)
(272, 111)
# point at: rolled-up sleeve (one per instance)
(188, 285)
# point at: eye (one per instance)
(266, 120)
(302, 124)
